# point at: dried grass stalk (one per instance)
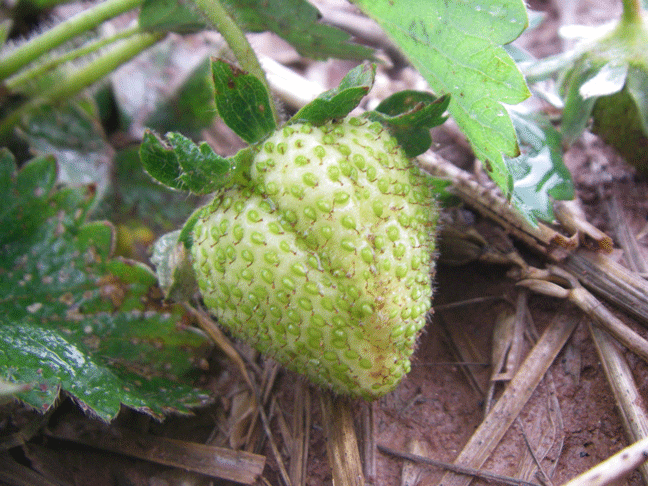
(504, 412)
(341, 441)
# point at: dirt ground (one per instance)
(571, 421)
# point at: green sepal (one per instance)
(539, 174)
(338, 102)
(173, 267)
(242, 102)
(183, 165)
(409, 115)
(577, 110)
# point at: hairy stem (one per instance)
(631, 11)
(237, 42)
(15, 81)
(82, 22)
(84, 77)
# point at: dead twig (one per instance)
(614, 468)
(341, 443)
(455, 468)
(492, 429)
(555, 282)
(240, 466)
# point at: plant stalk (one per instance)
(15, 81)
(84, 77)
(631, 12)
(237, 42)
(63, 32)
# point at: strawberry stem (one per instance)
(83, 77)
(63, 32)
(236, 40)
(21, 78)
(631, 12)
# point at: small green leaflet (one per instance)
(339, 101)
(457, 47)
(539, 173)
(74, 318)
(409, 115)
(242, 102)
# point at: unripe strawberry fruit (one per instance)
(324, 260)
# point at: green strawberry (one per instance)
(323, 259)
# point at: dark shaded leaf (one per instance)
(577, 110)
(170, 16)
(72, 133)
(189, 109)
(410, 115)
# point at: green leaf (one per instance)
(339, 101)
(184, 165)
(577, 110)
(189, 109)
(170, 16)
(637, 86)
(409, 115)
(174, 268)
(297, 22)
(136, 200)
(608, 80)
(456, 46)
(73, 318)
(161, 162)
(26, 192)
(72, 133)
(539, 173)
(242, 102)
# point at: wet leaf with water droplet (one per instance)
(72, 317)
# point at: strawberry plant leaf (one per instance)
(339, 101)
(608, 80)
(135, 199)
(242, 102)
(297, 22)
(539, 173)
(577, 110)
(190, 109)
(28, 195)
(456, 46)
(409, 115)
(72, 133)
(73, 318)
(170, 16)
(183, 165)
